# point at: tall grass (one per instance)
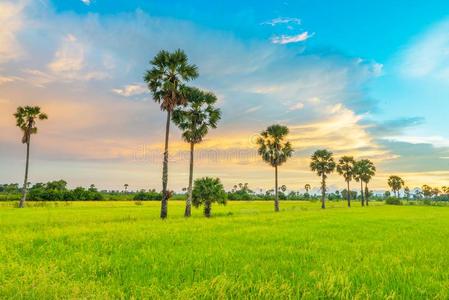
(122, 250)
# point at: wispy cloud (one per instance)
(287, 39)
(87, 2)
(282, 20)
(131, 90)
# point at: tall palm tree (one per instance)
(323, 164)
(166, 80)
(126, 187)
(358, 176)
(368, 171)
(395, 183)
(26, 118)
(275, 150)
(345, 168)
(195, 119)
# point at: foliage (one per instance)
(150, 195)
(206, 191)
(393, 201)
(395, 183)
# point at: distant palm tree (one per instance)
(345, 168)
(126, 187)
(307, 187)
(395, 183)
(275, 150)
(26, 118)
(195, 119)
(323, 164)
(368, 171)
(166, 81)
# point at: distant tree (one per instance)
(407, 192)
(26, 118)
(126, 187)
(275, 150)
(435, 192)
(206, 191)
(166, 82)
(427, 191)
(194, 119)
(368, 171)
(12, 188)
(395, 183)
(283, 188)
(323, 164)
(345, 168)
(387, 194)
(445, 190)
(307, 187)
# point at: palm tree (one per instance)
(126, 187)
(368, 171)
(207, 190)
(345, 168)
(166, 80)
(395, 183)
(195, 119)
(26, 118)
(307, 187)
(275, 150)
(323, 164)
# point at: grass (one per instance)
(99, 250)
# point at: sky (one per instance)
(362, 78)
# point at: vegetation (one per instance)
(194, 119)
(275, 150)
(112, 250)
(166, 81)
(395, 183)
(26, 118)
(323, 164)
(345, 168)
(207, 191)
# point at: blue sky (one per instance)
(365, 78)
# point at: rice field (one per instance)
(105, 250)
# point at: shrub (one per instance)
(393, 201)
(207, 190)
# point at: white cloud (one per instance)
(297, 106)
(282, 20)
(8, 79)
(87, 2)
(287, 39)
(436, 141)
(131, 90)
(11, 21)
(428, 55)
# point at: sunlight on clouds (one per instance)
(287, 39)
(11, 21)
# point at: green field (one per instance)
(101, 250)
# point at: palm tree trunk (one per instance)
(165, 195)
(276, 199)
(188, 210)
(361, 190)
(323, 192)
(25, 190)
(349, 195)
(366, 193)
(207, 208)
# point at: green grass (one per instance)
(122, 250)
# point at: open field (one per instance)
(119, 250)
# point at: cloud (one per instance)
(428, 55)
(12, 21)
(87, 2)
(287, 39)
(9, 79)
(297, 106)
(131, 90)
(282, 20)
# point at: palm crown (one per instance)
(166, 79)
(322, 162)
(364, 170)
(26, 120)
(345, 167)
(273, 146)
(198, 114)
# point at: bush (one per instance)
(393, 201)
(148, 196)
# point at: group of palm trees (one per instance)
(275, 149)
(193, 111)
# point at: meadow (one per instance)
(101, 250)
